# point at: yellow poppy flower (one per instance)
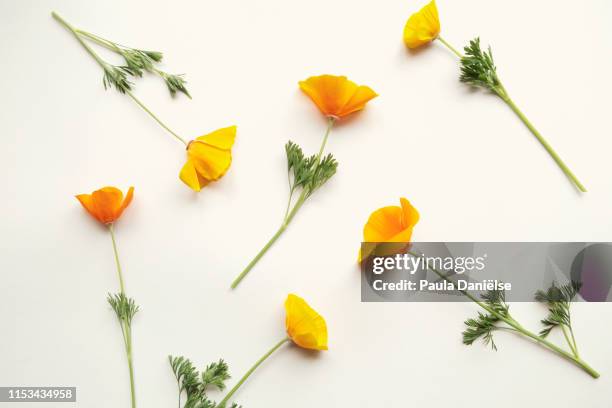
(422, 27)
(106, 204)
(390, 224)
(305, 327)
(336, 96)
(208, 158)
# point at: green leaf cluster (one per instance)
(195, 385)
(478, 68)
(125, 308)
(485, 323)
(308, 173)
(558, 299)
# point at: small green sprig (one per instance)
(478, 69)
(309, 173)
(306, 174)
(136, 63)
(195, 385)
(497, 316)
(559, 299)
(125, 308)
(485, 323)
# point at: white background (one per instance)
(462, 158)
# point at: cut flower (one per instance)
(208, 158)
(106, 204)
(336, 96)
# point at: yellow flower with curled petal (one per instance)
(422, 27)
(390, 224)
(305, 326)
(208, 158)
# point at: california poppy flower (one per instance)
(106, 204)
(336, 96)
(305, 327)
(208, 158)
(390, 224)
(422, 27)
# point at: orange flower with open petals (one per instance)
(390, 224)
(208, 158)
(336, 96)
(305, 327)
(106, 204)
(422, 27)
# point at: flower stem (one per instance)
(128, 352)
(450, 47)
(162, 124)
(510, 321)
(126, 327)
(504, 96)
(119, 273)
(79, 34)
(289, 214)
(250, 371)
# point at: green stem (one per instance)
(128, 351)
(162, 124)
(126, 328)
(567, 339)
(105, 66)
(288, 214)
(574, 341)
(250, 371)
(100, 41)
(504, 95)
(510, 321)
(119, 273)
(450, 47)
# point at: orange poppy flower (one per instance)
(336, 96)
(305, 326)
(106, 204)
(208, 158)
(390, 224)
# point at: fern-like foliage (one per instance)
(308, 173)
(483, 326)
(125, 308)
(558, 299)
(195, 384)
(478, 68)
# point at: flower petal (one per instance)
(87, 202)
(362, 95)
(210, 162)
(220, 138)
(410, 216)
(383, 224)
(189, 176)
(107, 202)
